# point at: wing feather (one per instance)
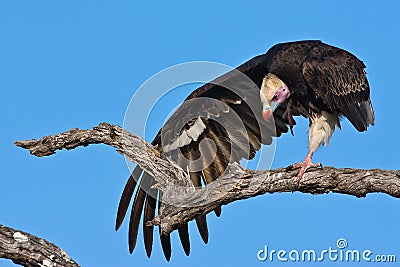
(136, 212)
(183, 231)
(339, 79)
(148, 215)
(235, 93)
(127, 195)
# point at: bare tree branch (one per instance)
(132, 146)
(28, 250)
(238, 184)
(242, 184)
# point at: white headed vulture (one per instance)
(229, 118)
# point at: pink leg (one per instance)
(305, 165)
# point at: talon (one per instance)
(304, 165)
(289, 168)
(293, 166)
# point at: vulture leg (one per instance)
(321, 128)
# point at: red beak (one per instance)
(267, 113)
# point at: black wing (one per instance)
(339, 79)
(218, 109)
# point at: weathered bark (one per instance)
(28, 250)
(185, 203)
(132, 146)
(242, 184)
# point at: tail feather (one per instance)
(361, 115)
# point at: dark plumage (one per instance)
(323, 82)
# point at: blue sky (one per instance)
(66, 64)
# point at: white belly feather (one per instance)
(321, 129)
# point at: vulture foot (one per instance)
(304, 166)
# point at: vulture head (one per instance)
(273, 92)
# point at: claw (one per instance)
(304, 166)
